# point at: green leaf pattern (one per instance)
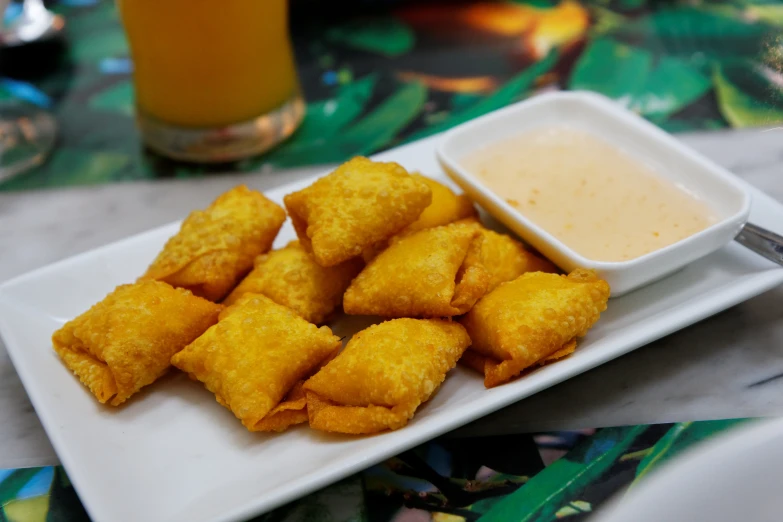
(557, 492)
(556, 485)
(684, 66)
(679, 438)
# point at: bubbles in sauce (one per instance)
(601, 202)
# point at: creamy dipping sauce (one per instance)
(592, 196)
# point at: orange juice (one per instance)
(207, 63)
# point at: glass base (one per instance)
(218, 145)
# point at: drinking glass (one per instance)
(214, 81)
(27, 133)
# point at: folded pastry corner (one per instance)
(126, 341)
(483, 364)
(290, 411)
(446, 207)
(505, 258)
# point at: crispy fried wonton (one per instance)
(478, 362)
(291, 277)
(382, 376)
(216, 247)
(436, 272)
(253, 359)
(361, 203)
(505, 258)
(126, 341)
(446, 207)
(525, 321)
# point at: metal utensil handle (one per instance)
(762, 241)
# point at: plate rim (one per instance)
(715, 301)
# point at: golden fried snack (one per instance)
(126, 341)
(505, 258)
(525, 321)
(478, 362)
(253, 359)
(434, 272)
(382, 376)
(361, 203)
(291, 277)
(446, 207)
(216, 247)
(290, 411)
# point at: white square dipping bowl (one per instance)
(606, 119)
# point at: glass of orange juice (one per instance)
(214, 81)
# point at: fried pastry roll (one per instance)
(216, 247)
(253, 358)
(126, 341)
(446, 207)
(361, 203)
(383, 375)
(291, 277)
(435, 272)
(505, 258)
(529, 319)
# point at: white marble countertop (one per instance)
(730, 365)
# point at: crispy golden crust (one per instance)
(446, 207)
(478, 362)
(567, 349)
(358, 205)
(525, 320)
(216, 247)
(435, 272)
(254, 357)
(382, 376)
(505, 258)
(329, 416)
(125, 342)
(291, 410)
(291, 277)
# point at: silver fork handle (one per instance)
(762, 241)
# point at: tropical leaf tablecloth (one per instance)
(522, 478)
(376, 77)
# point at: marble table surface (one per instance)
(730, 365)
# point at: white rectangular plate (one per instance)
(173, 454)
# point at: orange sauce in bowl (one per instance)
(598, 200)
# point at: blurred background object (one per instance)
(27, 135)
(380, 73)
(29, 21)
(27, 132)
